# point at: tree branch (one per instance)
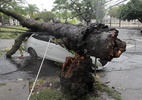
(95, 40)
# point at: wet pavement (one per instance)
(21, 69)
(16, 69)
(15, 73)
(14, 91)
(123, 73)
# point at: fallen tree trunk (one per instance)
(96, 40)
(18, 42)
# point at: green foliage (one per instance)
(8, 35)
(4, 19)
(11, 32)
(132, 10)
(53, 94)
(47, 95)
(115, 12)
(71, 21)
(45, 15)
(63, 15)
(0, 52)
(2, 84)
(32, 10)
(111, 92)
(11, 5)
(83, 9)
(4, 1)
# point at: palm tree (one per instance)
(31, 10)
(11, 5)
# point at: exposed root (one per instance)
(76, 79)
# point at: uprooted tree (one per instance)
(95, 40)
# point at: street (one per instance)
(124, 74)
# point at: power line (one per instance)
(99, 10)
(116, 4)
(107, 2)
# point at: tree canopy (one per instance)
(83, 9)
(115, 12)
(132, 10)
(31, 10)
(45, 15)
(13, 6)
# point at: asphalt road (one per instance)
(21, 69)
(123, 73)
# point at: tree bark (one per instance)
(18, 42)
(76, 78)
(95, 40)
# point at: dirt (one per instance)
(47, 83)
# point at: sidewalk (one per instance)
(14, 90)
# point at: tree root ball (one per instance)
(76, 78)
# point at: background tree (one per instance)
(116, 13)
(7, 1)
(4, 19)
(132, 10)
(4, 1)
(32, 10)
(81, 39)
(11, 5)
(45, 15)
(95, 40)
(83, 9)
(63, 15)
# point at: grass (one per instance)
(11, 32)
(48, 94)
(54, 94)
(111, 92)
(2, 51)
(2, 84)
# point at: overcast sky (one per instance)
(45, 4)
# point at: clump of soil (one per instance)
(76, 78)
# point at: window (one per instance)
(43, 37)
